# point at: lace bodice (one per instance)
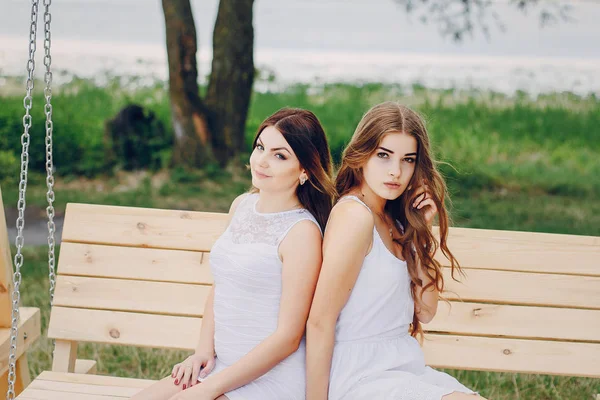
(250, 226)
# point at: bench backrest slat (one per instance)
(142, 227)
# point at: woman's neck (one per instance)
(375, 202)
(276, 202)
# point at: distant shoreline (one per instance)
(534, 75)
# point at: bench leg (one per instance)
(65, 354)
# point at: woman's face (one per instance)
(390, 168)
(273, 164)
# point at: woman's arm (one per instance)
(206, 344)
(202, 361)
(425, 306)
(347, 240)
(301, 255)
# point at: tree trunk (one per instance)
(192, 141)
(232, 76)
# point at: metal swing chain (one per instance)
(49, 158)
(19, 241)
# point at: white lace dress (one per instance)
(374, 357)
(247, 273)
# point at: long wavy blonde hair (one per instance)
(417, 241)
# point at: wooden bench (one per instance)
(132, 276)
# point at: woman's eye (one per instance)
(280, 156)
(259, 146)
(382, 155)
(410, 160)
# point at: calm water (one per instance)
(323, 40)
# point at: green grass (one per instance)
(549, 144)
(528, 212)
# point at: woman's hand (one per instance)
(197, 365)
(425, 202)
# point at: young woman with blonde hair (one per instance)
(379, 280)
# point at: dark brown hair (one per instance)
(304, 133)
(391, 117)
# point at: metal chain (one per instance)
(49, 160)
(19, 241)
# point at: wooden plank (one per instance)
(512, 355)
(524, 251)
(475, 248)
(6, 272)
(134, 263)
(521, 236)
(115, 327)
(37, 394)
(94, 379)
(141, 296)
(524, 288)
(64, 356)
(130, 295)
(142, 227)
(516, 321)
(53, 385)
(81, 388)
(22, 371)
(29, 332)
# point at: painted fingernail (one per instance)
(184, 386)
(176, 382)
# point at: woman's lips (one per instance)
(260, 175)
(391, 185)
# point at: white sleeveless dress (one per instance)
(247, 273)
(374, 356)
